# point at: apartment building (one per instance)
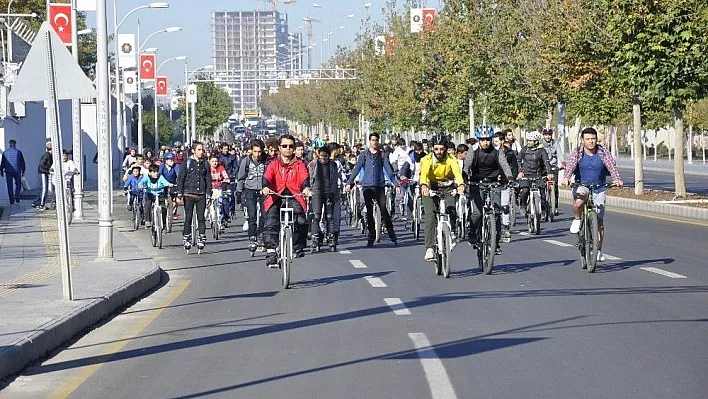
(251, 44)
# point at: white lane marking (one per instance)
(375, 282)
(396, 304)
(610, 257)
(523, 233)
(438, 380)
(559, 243)
(662, 272)
(345, 252)
(357, 264)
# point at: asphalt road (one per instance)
(664, 180)
(539, 327)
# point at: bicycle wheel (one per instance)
(537, 214)
(153, 236)
(158, 231)
(136, 215)
(445, 250)
(512, 206)
(286, 256)
(490, 244)
(170, 211)
(377, 223)
(591, 237)
(416, 219)
(481, 248)
(550, 204)
(194, 227)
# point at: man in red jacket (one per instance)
(285, 175)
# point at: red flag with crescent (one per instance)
(161, 85)
(60, 19)
(147, 66)
(429, 19)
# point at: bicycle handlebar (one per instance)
(591, 186)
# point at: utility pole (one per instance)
(105, 192)
(76, 128)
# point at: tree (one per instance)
(164, 125)
(214, 106)
(660, 49)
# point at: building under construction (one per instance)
(250, 43)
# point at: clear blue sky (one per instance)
(194, 17)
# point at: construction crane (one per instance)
(274, 3)
(308, 27)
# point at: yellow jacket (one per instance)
(434, 173)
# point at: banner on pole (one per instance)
(380, 45)
(130, 82)
(416, 20)
(60, 19)
(174, 103)
(85, 5)
(429, 15)
(147, 67)
(192, 93)
(161, 85)
(126, 58)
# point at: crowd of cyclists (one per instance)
(369, 185)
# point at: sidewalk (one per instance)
(34, 319)
(663, 165)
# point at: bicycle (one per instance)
(534, 208)
(213, 214)
(444, 237)
(417, 214)
(134, 200)
(487, 240)
(157, 225)
(462, 209)
(69, 201)
(285, 256)
(513, 203)
(549, 215)
(588, 234)
(170, 204)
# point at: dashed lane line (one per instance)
(376, 282)
(559, 243)
(357, 264)
(345, 252)
(438, 380)
(399, 309)
(662, 272)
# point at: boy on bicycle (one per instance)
(132, 190)
(219, 177)
(154, 187)
(169, 170)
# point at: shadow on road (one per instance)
(335, 279)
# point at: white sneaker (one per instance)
(600, 256)
(575, 226)
(430, 255)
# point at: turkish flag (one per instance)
(60, 19)
(429, 19)
(390, 44)
(147, 66)
(161, 85)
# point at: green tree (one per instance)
(214, 106)
(164, 125)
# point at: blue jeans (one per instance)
(12, 195)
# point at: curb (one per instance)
(678, 211)
(14, 357)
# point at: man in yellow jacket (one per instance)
(441, 172)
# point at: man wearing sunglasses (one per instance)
(285, 175)
(376, 167)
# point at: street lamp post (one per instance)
(140, 91)
(193, 112)
(105, 220)
(120, 109)
(157, 135)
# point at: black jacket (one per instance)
(194, 177)
(45, 163)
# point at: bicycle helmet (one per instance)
(533, 136)
(439, 139)
(484, 132)
(177, 144)
(169, 155)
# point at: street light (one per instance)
(140, 96)
(157, 136)
(120, 110)
(187, 76)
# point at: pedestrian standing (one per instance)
(44, 170)
(12, 167)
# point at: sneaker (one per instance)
(506, 234)
(404, 218)
(201, 242)
(187, 241)
(430, 255)
(253, 245)
(148, 225)
(600, 256)
(272, 260)
(299, 253)
(498, 251)
(369, 242)
(555, 212)
(575, 226)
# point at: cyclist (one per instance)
(128, 160)
(154, 186)
(231, 166)
(555, 155)
(485, 164)
(374, 164)
(193, 183)
(325, 181)
(169, 170)
(439, 170)
(505, 193)
(219, 181)
(250, 183)
(512, 139)
(590, 163)
(533, 164)
(285, 175)
(132, 191)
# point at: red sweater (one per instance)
(279, 177)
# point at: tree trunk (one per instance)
(637, 144)
(679, 178)
(549, 117)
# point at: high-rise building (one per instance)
(248, 45)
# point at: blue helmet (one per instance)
(484, 132)
(169, 155)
